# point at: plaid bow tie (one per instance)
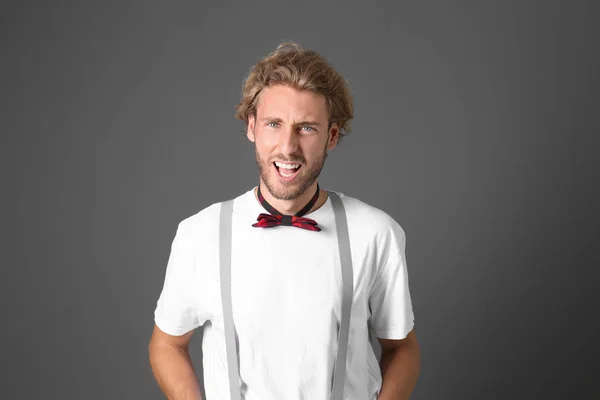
(269, 220)
(275, 218)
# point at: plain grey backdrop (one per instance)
(476, 127)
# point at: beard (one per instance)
(289, 191)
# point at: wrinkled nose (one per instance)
(288, 142)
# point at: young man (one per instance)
(285, 265)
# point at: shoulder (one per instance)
(207, 218)
(371, 220)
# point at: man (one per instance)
(285, 285)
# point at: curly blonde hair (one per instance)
(290, 64)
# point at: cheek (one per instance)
(264, 149)
(266, 143)
(317, 150)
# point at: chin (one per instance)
(284, 190)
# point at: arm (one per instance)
(172, 365)
(400, 366)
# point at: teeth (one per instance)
(286, 166)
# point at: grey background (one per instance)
(476, 128)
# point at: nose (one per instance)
(288, 141)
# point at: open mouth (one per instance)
(287, 171)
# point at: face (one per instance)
(291, 139)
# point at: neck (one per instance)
(291, 207)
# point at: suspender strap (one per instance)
(343, 238)
(225, 272)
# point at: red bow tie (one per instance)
(269, 220)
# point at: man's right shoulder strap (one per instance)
(225, 272)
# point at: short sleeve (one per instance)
(390, 302)
(178, 308)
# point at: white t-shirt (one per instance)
(286, 299)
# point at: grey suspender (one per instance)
(225, 267)
(343, 239)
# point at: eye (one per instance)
(307, 128)
(272, 124)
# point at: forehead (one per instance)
(287, 102)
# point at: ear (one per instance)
(250, 128)
(334, 135)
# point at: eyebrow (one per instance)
(279, 120)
